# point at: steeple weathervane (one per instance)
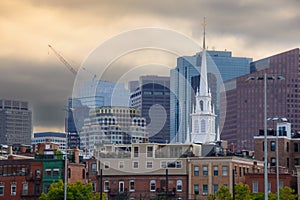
(203, 87)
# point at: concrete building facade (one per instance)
(15, 122)
(113, 125)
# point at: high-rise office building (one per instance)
(113, 125)
(221, 66)
(99, 93)
(15, 122)
(244, 115)
(92, 94)
(151, 94)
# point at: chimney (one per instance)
(231, 149)
(23, 149)
(10, 152)
(76, 155)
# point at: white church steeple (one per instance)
(203, 116)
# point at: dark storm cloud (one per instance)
(46, 89)
(252, 28)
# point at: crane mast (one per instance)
(63, 60)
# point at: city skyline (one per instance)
(31, 72)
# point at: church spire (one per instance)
(203, 76)
(203, 24)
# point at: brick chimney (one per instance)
(76, 155)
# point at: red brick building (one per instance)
(256, 181)
(245, 99)
(20, 179)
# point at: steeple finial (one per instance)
(204, 25)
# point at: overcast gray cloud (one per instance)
(29, 71)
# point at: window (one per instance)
(224, 170)
(37, 188)
(55, 172)
(216, 172)
(287, 147)
(13, 189)
(94, 185)
(296, 147)
(121, 164)
(37, 173)
(196, 170)
(170, 164)
(135, 152)
(280, 184)
(216, 187)
(273, 146)
(269, 187)
(1, 189)
(203, 126)
(106, 186)
(255, 187)
(25, 188)
(106, 165)
(196, 126)
(201, 105)
(131, 185)
(135, 164)
(48, 172)
(196, 189)
(179, 185)
(150, 151)
(152, 185)
(94, 168)
(121, 186)
(287, 162)
(204, 170)
(205, 189)
(273, 161)
(149, 164)
(69, 173)
(83, 174)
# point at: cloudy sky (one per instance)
(30, 71)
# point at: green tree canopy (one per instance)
(75, 191)
(242, 192)
(223, 193)
(287, 193)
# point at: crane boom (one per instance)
(63, 60)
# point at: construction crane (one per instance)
(74, 71)
(63, 60)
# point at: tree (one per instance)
(287, 193)
(75, 191)
(223, 193)
(242, 192)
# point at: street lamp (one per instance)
(66, 176)
(277, 156)
(265, 78)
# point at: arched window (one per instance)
(201, 105)
(203, 126)
(196, 126)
